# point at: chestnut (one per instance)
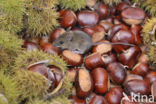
(71, 73)
(102, 48)
(112, 11)
(117, 72)
(44, 40)
(114, 95)
(122, 6)
(97, 99)
(140, 69)
(58, 74)
(71, 58)
(143, 58)
(133, 15)
(135, 29)
(153, 89)
(102, 10)
(49, 48)
(87, 18)
(132, 77)
(109, 58)
(94, 29)
(100, 80)
(83, 83)
(98, 36)
(56, 34)
(123, 36)
(76, 100)
(30, 46)
(137, 86)
(93, 60)
(109, 19)
(67, 18)
(130, 56)
(43, 70)
(107, 25)
(115, 29)
(150, 77)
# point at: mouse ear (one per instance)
(68, 29)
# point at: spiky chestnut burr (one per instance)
(152, 54)
(10, 47)
(11, 15)
(8, 90)
(148, 5)
(111, 2)
(31, 84)
(41, 17)
(31, 57)
(73, 4)
(149, 32)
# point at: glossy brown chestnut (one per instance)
(67, 18)
(122, 6)
(130, 56)
(113, 11)
(115, 29)
(93, 60)
(71, 58)
(110, 19)
(71, 73)
(56, 34)
(117, 72)
(30, 46)
(76, 100)
(87, 18)
(58, 74)
(123, 36)
(84, 83)
(102, 10)
(98, 36)
(49, 48)
(133, 15)
(153, 89)
(97, 99)
(132, 77)
(106, 25)
(89, 30)
(44, 40)
(114, 95)
(143, 58)
(150, 77)
(140, 69)
(137, 86)
(100, 80)
(136, 29)
(109, 58)
(102, 48)
(43, 70)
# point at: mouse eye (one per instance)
(61, 42)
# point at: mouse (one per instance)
(78, 42)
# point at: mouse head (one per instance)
(64, 40)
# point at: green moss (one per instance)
(149, 31)
(10, 47)
(8, 90)
(31, 84)
(111, 2)
(41, 17)
(73, 4)
(11, 15)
